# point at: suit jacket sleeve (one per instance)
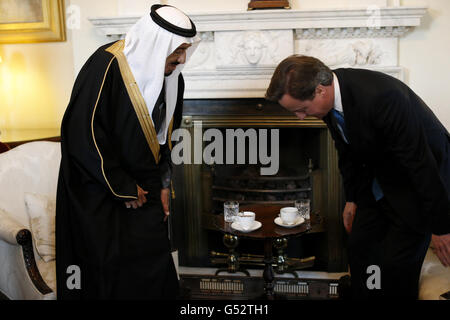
(349, 169)
(404, 137)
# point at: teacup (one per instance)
(245, 219)
(289, 215)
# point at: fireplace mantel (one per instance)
(395, 17)
(240, 50)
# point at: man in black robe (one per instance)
(394, 157)
(114, 181)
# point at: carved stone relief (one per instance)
(341, 33)
(351, 52)
(252, 49)
(203, 57)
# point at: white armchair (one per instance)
(27, 265)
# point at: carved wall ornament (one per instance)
(202, 58)
(343, 33)
(252, 48)
(204, 54)
(356, 53)
(206, 36)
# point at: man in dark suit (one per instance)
(394, 157)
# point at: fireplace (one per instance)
(307, 168)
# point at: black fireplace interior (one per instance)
(245, 184)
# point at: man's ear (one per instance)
(320, 90)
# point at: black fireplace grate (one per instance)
(247, 187)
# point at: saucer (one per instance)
(237, 226)
(279, 222)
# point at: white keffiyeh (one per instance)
(147, 46)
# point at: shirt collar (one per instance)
(337, 95)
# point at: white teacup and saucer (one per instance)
(289, 218)
(245, 222)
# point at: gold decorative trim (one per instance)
(169, 139)
(93, 134)
(50, 29)
(252, 121)
(140, 107)
(169, 134)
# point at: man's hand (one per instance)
(442, 248)
(348, 215)
(140, 201)
(165, 193)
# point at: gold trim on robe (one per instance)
(169, 134)
(95, 141)
(138, 101)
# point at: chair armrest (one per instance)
(25, 239)
(16, 234)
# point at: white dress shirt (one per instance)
(337, 95)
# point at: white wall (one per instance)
(35, 84)
(425, 53)
(85, 38)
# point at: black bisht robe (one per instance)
(122, 253)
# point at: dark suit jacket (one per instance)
(396, 138)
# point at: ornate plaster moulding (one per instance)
(303, 21)
(351, 32)
(240, 50)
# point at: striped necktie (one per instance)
(340, 123)
(376, 189)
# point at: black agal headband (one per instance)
(189, 33)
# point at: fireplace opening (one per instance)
(298, 168)
(306, 169)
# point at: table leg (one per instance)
(268, 274)
(231, 242)
(280, 245)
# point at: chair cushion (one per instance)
(31, 167)
(41, 210)
(434, 278)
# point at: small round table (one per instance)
(269, 233)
